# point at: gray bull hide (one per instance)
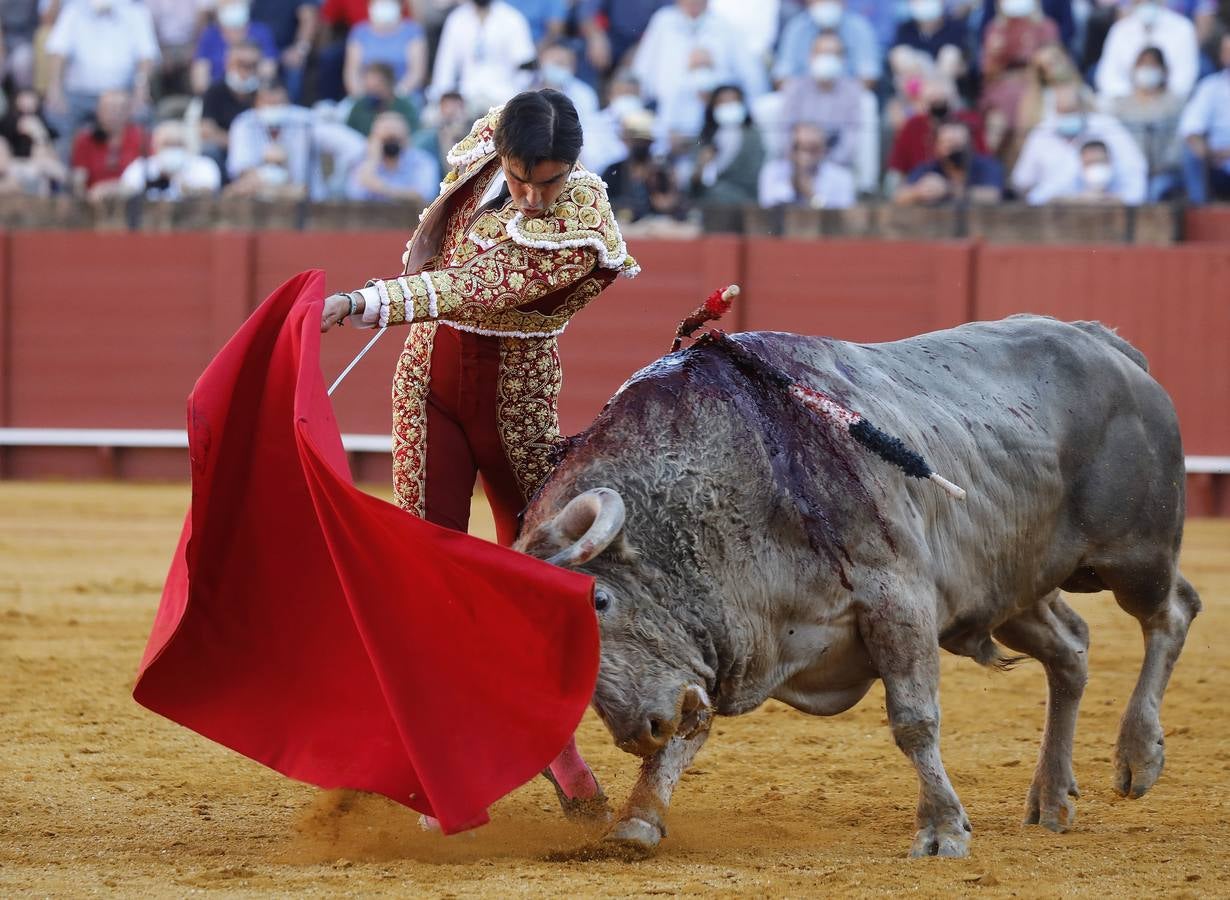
(746, 549)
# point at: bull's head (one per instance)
(651, 681)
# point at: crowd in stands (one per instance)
(685, 103)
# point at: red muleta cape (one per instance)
(332, 636)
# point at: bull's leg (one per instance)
(1140, 750)
(642, 824)
(904, 646)
(580, 795)
(1052, 633)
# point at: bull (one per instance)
(744, 549)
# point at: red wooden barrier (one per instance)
(1207, 224)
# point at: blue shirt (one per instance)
(626, 19)
(949, 32)
(1208, 113)
(212, 46)
(984, 171)
(864, 58)
(540, 13)
(389, 47)
(416, 170)
(282, 17)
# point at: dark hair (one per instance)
(539, 126)
(1095, 145)
(383, 69)
(1157, 54)
(709, 129)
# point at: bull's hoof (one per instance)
(1051, 803)
(950, 841)
(632, 838)
(1139, 759)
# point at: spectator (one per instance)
(275, 140)
(756, 22)
(1050, 67)
(95, 48)
(394, 169)
(827, 98)
(807, 177)
(1148, 24)
(557, 67)
(389, 38)
(482, 49)
(226, 99)
(864, 55)
(914, 144)
(625, 21)
(546, 19)
(170, 172)
(449, 122)
(294, 24)
(377, 97)
(1096, 180)
(25, 127)
(1205, 130)
(39, 175)
(688, 50)
(344, 15)
(1050, 162)
(956, 174)
(19, 21)
(1060, 12)
(628, 180)
(885, 17)
(1151, 115)
(178, 25)
(930, 29)
(731, 152)
(102, 153)
(270, 179)
(1010, 42)
(234, 26)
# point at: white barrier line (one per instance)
(354, 443)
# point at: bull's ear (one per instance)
(581, 530)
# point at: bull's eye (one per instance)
(602, 600)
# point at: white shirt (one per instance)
(1172, 33)
(832, 188)
(176, 21)
(482, 57)
(757, 22)
(1050, 167)
(1207, 114)
(669, 40)
(306, 139)
(102, 50)
(198, 174)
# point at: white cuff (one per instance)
(373, 314)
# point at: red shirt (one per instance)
(352, 12)
(915, 142)
(102, 160)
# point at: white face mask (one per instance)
(101, 6)
(1018, 9)
(826, 13)
(1149, 77)
(625, 104)
(1148, 13)
(274, 175)
(384, 12)
(242, 84)
(172, 159)
(555, 75)
(702, 80)
(234, 15)
(1098, 176)
(826, 66)
(730, 114)
(926, 10)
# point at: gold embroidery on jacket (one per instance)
(527, 410)
(410, 386)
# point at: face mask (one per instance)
(271, 116)
(384, 12)
(1149, 77)
(101, 6)
(242, 84)
(555, 74)
(702, 80)
(274, 175)
(639, 151)
(1069, 124)
(172, 159)
(1098, 176)
(391, 148)
(958, 158)
(730, 113)
(1148, 13)
(625, 104)
(939, 109)
(482, 4)
(1018, 9)
(826, 13)
(826, 67)
(926, 10)
(233, 16)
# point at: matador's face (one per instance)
(535, 189)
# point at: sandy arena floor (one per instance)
(100, 796)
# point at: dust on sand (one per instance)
(101, 796)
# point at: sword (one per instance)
(354, 362)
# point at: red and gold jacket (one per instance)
(499, 274)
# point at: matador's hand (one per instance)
(336, 309)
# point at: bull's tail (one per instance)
(1110, 336)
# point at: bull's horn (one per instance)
(600, 514)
